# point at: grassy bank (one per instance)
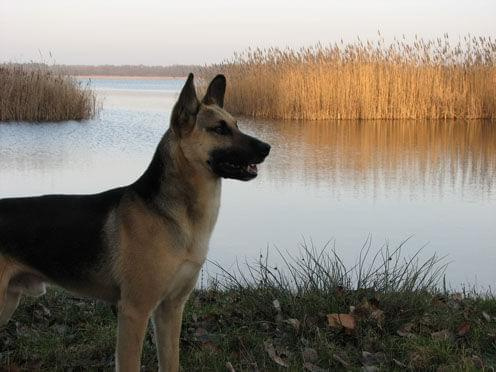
(34, 93)
(386, 313)
(364, 80)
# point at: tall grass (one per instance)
(365, 80)
(36, 94)
(322, 270)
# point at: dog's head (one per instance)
(209, 136)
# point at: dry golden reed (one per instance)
(34, 93)
(365, 80)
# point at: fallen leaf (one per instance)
(405, 330)
(253, 367)
(443, 335)
(12, 368)
(282, 351)
(427, 320)
(478, 362)
(265, 325)
(486, 316)
(310, 321)
(313, 368)
(200, 332)
(369, 359)
(370, 368)
(341, 320)
(20, 329)
(209, 345)
(363, 309)
(416, 358)
(230, 367)
(463, 329)
(61, 329)
(457, 296)
(378, 316)
(45, 310)
(309, 355)
(438, 300)
(374, 303)
(398, 363)
(337, 358)
(269, 348)
(295, 323)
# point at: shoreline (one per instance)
(130, 77)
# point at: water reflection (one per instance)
(379, 158)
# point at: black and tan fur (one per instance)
(140, 247)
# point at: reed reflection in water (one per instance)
(379, 158)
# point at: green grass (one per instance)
(264, 315)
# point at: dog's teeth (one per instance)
(251, 168)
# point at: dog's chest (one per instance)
(200, 229)
(188, 268)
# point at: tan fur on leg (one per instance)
(5, 275)
(16, 279)
(167, 325)
(132, 324)
(10, 305)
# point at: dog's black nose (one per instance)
(264, 148)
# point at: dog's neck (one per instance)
(177, 189)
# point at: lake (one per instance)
(339, 182)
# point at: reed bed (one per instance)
(33, 93)
(420, 79)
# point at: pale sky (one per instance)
(162, 32)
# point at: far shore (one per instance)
(124, 77)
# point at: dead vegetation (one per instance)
(365, 80)
(34, 93)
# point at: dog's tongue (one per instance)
(252, 168)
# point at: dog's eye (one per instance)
(222, 129)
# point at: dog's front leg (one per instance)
(167, 320)
(132, 323)
(11, 301)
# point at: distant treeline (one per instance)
(126, 70)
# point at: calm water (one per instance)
(339, 181)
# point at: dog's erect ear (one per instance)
(183, 116)
(215, 92)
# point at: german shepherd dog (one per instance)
(141, 246)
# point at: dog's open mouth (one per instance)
(249, 169)
(239, 164)
(231, 169)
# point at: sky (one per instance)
(164, 32)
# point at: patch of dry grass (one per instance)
(365, 80)
(36, 94)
